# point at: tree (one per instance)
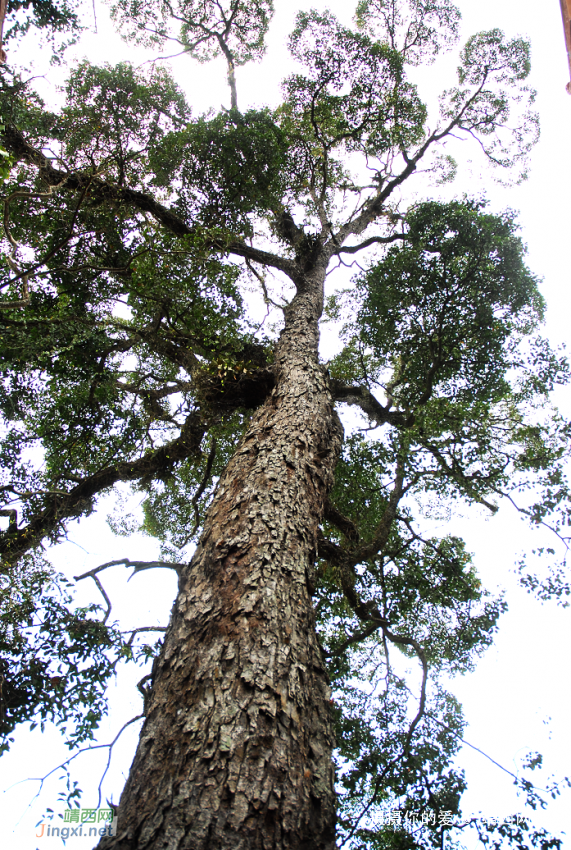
(51, 17)
(130, 354)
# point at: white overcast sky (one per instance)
(518, 698)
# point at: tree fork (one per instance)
(237, 743)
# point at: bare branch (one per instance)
(110, 746)
(536, 520)
(262, 283)
(138, 566)
(343, 523)
(142, 629)
(42, 779)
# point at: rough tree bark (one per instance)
(236, 747)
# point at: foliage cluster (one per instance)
(55, 658)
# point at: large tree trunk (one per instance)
(236, 747)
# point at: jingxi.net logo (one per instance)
(80, 823)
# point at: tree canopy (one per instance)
(140, 240)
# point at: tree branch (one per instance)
(355, 638)
(456, 473)
(374, 207)
(42, 779)
(363, 398)
(202, 486)
(138, 566)
(343, 523)
(373, 240)
(370, 550)
(15, 542)
(21, 150)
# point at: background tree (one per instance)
(49, 16)
(129, 354)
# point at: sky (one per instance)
(517, 699)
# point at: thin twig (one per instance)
(262, 282)
(138, 566)
(42, 779)
(134, 632)
(111, 745)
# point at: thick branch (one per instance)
(329, 551)
(22, 151)
(373, 240)
(347, 558)
(231, 71)
(341, 522)
(374, 207)
(15, 542)
(363, 398)
(355, 638)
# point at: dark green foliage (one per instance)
(441, 308)
(441, 323)
(173, 507)
(57, 15)
(55, 660)
(428, 590)
(230, 166)
(90, 367)
(114, 116)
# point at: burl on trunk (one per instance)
(236, 747)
